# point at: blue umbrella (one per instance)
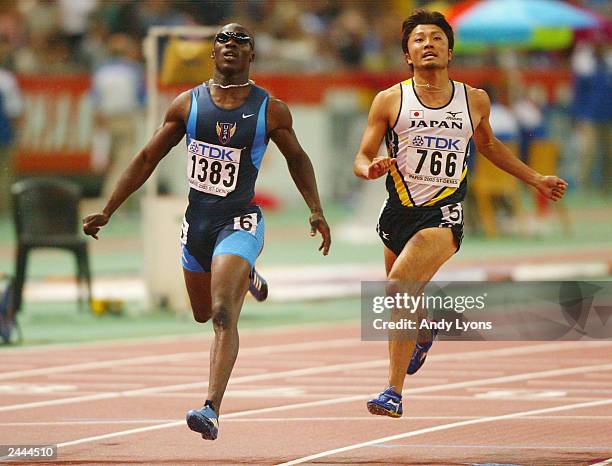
(518, 21)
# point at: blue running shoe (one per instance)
(420, 354)
(388, 403)
(205, 421)
(258, 286)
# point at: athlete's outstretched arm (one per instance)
(367, 165)
(493, 149)
(280, 130)
(144, 162)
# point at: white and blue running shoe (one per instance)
(420, 354)
(388, 403)
(205, 421)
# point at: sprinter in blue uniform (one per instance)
(227, 122)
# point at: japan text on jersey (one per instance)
(431, 147)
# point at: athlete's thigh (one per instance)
(198, 289)
(242, 236)
(390, 258)
(423, 255)
(229, 281)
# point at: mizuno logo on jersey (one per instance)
(436, 124)
(453, 116)
(225, 131)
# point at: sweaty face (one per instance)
(428, 47)
(232, 49)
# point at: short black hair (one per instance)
(426, 17)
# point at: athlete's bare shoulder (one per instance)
(477, 98)
(279, 115)
(479, 103)
(276, 106)
(387, 104)
(180, 107)
(391, 95)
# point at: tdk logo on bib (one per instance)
(435, 142)
(212, 169)
(213, 151)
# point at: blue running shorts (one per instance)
(204, 236)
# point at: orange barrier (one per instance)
(57, 125)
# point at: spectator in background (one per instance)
(11, 108)
(592, 66)
(214, 12)
(601, 112)
(349, 34)
(506, 128)
(93, 50)
(57, 57)
(118, 97)
(73, 15)
(287, 45)
(119, 16)
(528, 106)
(11, 21)
(160, 13)
(502, 119)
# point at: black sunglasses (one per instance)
(239, 37)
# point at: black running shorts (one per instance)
(396, 225)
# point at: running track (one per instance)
(297, 396)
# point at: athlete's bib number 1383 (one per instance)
(213, 169)
(214, 172)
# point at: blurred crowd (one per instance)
(64, 36)
(103, 38)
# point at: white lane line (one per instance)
(341, 367)
(204, 336)
(97, 365)
(310, 345)
(442, 427)
(331, 401)
(588, 448)
(78, 422)
(272, 420)
(511, 378)
(147, 391)
(322, 396)
(325, 402)
(567, 383)
(603, 463)
(546, 347)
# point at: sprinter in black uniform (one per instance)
(227, 122)
(427, 122)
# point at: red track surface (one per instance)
(298, 395)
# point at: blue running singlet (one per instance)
(225, 149)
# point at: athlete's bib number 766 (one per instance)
(435, 163)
